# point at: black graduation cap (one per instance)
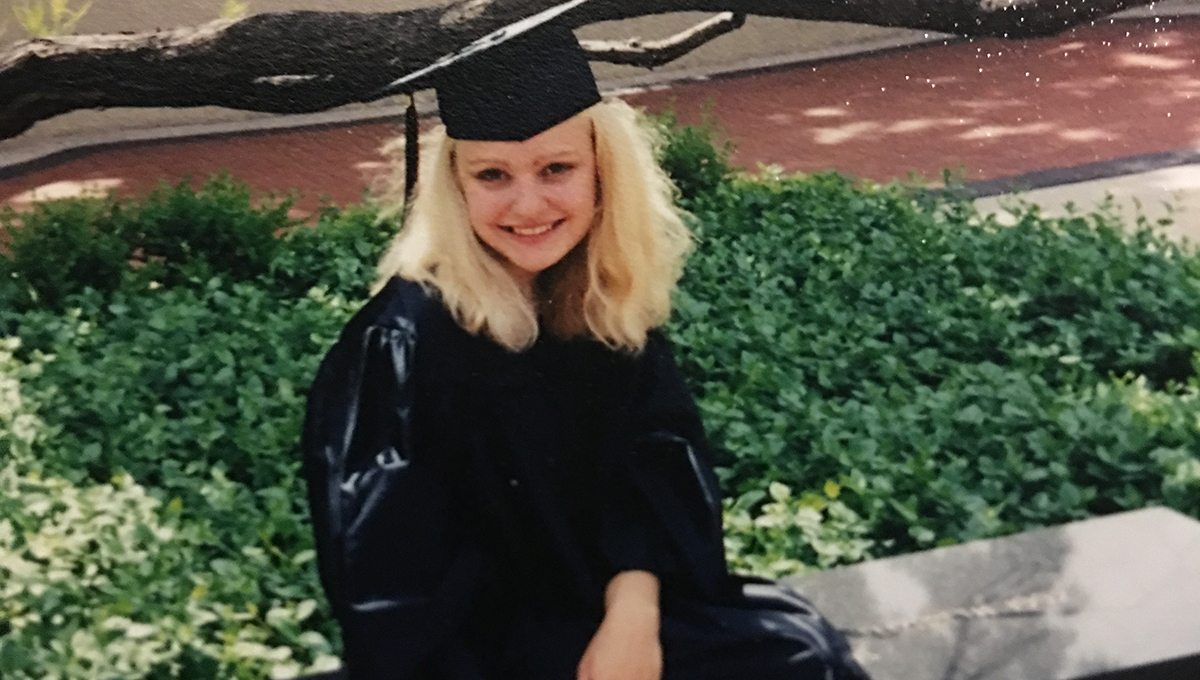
(517, 89)
(506, 91)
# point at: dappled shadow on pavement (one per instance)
(334, 163)
(985, 108)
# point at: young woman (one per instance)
(508, 476)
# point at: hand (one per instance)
(626, 646)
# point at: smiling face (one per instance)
(532, 202)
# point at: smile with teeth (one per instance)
(532, 231)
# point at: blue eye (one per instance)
(557, 168)
(490, 175)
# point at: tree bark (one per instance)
(298, 62)
(651, 53)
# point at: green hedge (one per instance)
(881, 370)
(158, 413)
(173, 235)
(960, 378)
(189, 401)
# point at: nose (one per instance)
(528, 201)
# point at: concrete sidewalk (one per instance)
(1168, 193)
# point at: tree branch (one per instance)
(651, 53)
(297, 62)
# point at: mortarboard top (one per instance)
(518, 88)
(509, 91)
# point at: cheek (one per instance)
(582, 195)
(483, 207)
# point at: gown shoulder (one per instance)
(401, 304)
(376, 501)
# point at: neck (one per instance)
(526, 281)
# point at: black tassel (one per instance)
(411, 143)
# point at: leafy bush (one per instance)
(133, 389)
(60, 248)
(98, 578)
(691, 155)
(790, 535)
(173, 236)
(961, 377)
(19, 425)
(184, 235)
(101, 581)
(43, 19)
(338, 254)
(130, 390)
(192, 384)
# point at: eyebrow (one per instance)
(477, 162)
(552, 156)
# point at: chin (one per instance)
(534, 267)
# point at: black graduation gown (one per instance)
(470, 505)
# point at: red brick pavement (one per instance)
(987, 108)
(334, 162)
(990, 108)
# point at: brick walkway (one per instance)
(983, 109)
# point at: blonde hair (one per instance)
(615, 286)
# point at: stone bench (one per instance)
(1112, 598)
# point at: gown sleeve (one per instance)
(395, 568)
(665, 510)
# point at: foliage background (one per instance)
(881, 370)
